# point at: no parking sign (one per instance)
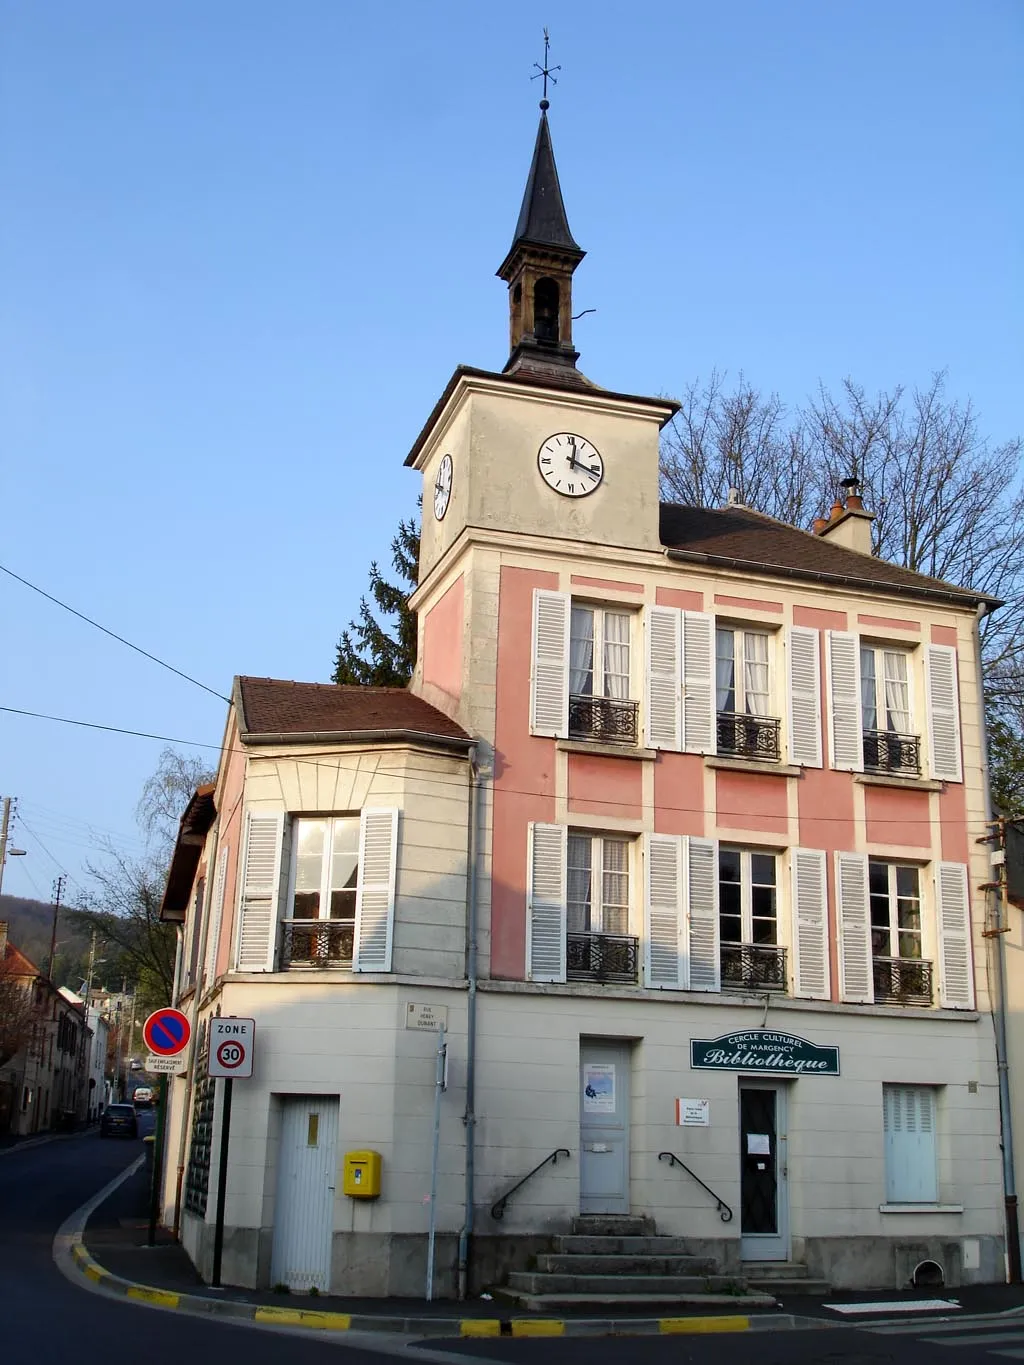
(231, 1047)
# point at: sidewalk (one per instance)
(116, 1237)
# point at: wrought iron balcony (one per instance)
(902, 981)
(753, 966)
(602, 957)
(887, 752)
(603, 718)
(748, 736)
(317, 943)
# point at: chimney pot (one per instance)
(819, 525)
(855, 503)
(837, 510)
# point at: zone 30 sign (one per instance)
(231, 1047)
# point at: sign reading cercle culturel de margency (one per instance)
(764, 1050)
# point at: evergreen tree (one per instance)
(380, 650)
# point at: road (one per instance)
(47, 1318)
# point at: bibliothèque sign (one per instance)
(764, 1050)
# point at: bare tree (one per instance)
(17, 1011)
(165, 795)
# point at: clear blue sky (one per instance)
(243, 245)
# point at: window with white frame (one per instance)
(885, 676)
(751, 956)
(599, 946)
(600, 674)
(900, 973)
(909, 1120)
(324, 881)
(743, 694)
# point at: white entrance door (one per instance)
(764, 1174)
(604, 1128)
(306, 1176)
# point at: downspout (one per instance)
(999, 1008)
(469, 1117)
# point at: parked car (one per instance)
(119, 1121)
(144, 1095)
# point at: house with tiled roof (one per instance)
(670, 848)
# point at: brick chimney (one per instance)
(848, 524)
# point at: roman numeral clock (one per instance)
(570, 464)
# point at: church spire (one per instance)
(540, 263)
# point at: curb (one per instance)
(308, 1319)
(75, 1260)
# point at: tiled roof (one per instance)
(17, 963)
(752, 539)
(271, 706)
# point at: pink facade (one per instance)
(679, 794)
(747, 603)
(605, 787)
(442, 641)
(683, 598)
(898, 817)
(753, 801)
(524, 769)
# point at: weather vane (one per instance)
(548, 72)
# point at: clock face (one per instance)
(570, 465)
(443, 487)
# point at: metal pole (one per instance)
(222, 1180)
(158, 1162)
(438, 1087)
(58, 891)
(5, 820)
(469, 1117)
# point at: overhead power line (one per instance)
(114, 636)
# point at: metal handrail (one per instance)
(724, 1211)
(498, 1207)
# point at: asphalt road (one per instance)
(47, 1318)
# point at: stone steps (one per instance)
(608, 1303)
(782, 1277)
(630, 1264)
(541, 1282)
(576, 1244)
(613, 1225)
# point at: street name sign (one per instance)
(167, 1032)
(231, 1047)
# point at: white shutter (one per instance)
(910, 1166)
(856, 981)
(260, 885)
(549, 671)
(698, 682)
(663, 696)
(953, 911)
(545, 902)
(810, 924)
(702, 914)
(213, 933)
(943, 712)
(375, 892)
(804, 697)
(665, 955)
(846, 734)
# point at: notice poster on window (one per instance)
(598, 1088)
(759, 1144)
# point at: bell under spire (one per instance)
(540, 263)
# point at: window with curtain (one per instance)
(597, 885)
(895, 892)
(885, 689)
(599, 653)
(325, 868)
(741, 671)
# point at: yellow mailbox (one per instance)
(361, 1175)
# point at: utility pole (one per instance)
(5, 852)
(58, 891)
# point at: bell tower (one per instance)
(539, 267)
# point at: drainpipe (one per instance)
(999, 1012)
(469, 1118)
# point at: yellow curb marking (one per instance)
(480, 1327)
(304, 1317)
(160, 1296)
(537, 1327)
(723, 1324)
(96, 1273)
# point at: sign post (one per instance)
(440, 1082)
(166, 1033)
(232, 1043)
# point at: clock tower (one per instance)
(534, 460)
